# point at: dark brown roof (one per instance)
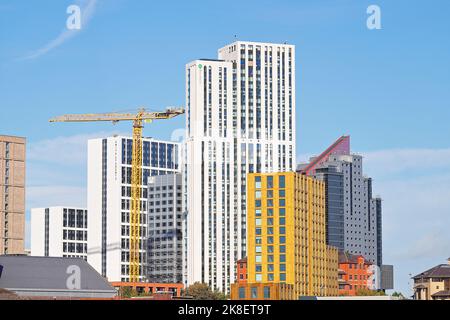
(243, 260)
(440, 271)
(345, 257)
(8, 295)
(443, 293)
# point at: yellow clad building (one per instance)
(287, 234)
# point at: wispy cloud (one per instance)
(87, 12)
(64, 150)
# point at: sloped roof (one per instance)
(23, 273)
(340, 147)
(345, 257)
(443, 293)
(440, 271)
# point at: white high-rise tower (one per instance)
(240, 119)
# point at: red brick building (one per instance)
(242, 271)
(354, 273)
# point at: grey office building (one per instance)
(165, 242)
(354, 222)
(334, 195)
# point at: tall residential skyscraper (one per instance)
(109, 195)
(12, 195)
(353, 215)
(165, 229)
(59, 232)
(240, 120)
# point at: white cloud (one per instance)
(50, 196)
(415, 187)
(87, 12)
(64, 150)
(397, 161)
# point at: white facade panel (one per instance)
(109, 194)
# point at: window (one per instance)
(254, 292)
(282, 230)
(258, 249)
(258, 194)
(270, 258)
(270, 194)
(270, 277)
(282, 212)
(258, 203)
(270, 221)
(258, 241)
(258, 231)
(258, 212)
(282, 249)
(282, 267)
(266, 292)
(282, 258)
(258, 222)
(259, 277)
(282, 276)
(258, 259)
(282, 239)
(282, 193)
(258, 268)
(241, 293)
(270, 203)
(282, 221)
(270, 230)
(282, 181)
(269, 249)
(258, 182)
(270, 240)
(282, 202)
(270, 268)
(269, 182)
(270, 212)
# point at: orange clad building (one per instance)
(354, 273)
(242, 271)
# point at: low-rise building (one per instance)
(174, 289)
(52, 278)
(433, 284)
(354, 273)
(59, 232)
(242, 271)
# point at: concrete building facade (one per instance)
(12, 194)
(165, 229)
(240, 119)
(109, 195)
(59, 232)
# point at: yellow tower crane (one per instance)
(136, 168)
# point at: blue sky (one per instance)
(388, 89)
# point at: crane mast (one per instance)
(136, 170)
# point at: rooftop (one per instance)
(345, 257)
(440, 271)
(24, 274)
